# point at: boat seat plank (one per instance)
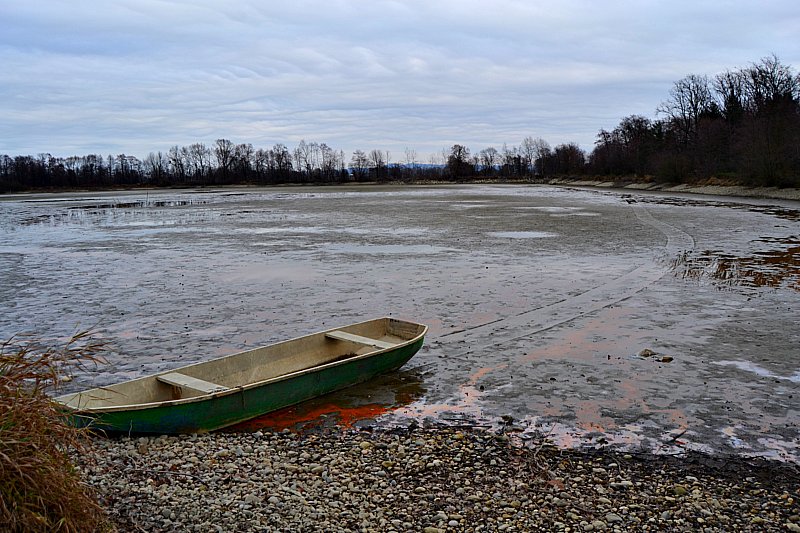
(358, 339)
(181, 380)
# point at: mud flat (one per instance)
(641, 320)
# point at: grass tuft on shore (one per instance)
(40, 489)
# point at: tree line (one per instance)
(741, 125)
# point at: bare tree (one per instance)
(489, 158)
(535, 152)
(514, 163)
(314, 156)
(528, 152)
(261, 163)
(730, 93)
(304, 156)
(155, 166)
(176, 163)
(329, 161)
(379, 164)
(690, 98)
(282, 158)
(377, 159)
(411, 157)
(359, 165)
(242, 161)
(223, 150)
(769, 83)
(199, 159)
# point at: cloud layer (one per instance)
(136, 76)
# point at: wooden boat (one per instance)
(222, 392)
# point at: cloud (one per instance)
(140, 76)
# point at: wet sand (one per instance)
(539, 300)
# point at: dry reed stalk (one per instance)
(40, 490)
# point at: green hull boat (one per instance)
(212, 395)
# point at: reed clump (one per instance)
(40, 490)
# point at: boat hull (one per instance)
(216, 411)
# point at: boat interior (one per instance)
(252, 366)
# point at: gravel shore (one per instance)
(426, 480)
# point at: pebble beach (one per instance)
(426, 479)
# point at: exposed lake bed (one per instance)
(646, 321)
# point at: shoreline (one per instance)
(432, 480)
(733, 191)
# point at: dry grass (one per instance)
(40, 490)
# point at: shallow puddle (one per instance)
(522, 234)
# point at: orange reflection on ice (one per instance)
(341, 409)
(299, 417)
(473, 379)
(465, 402)
(598, 334)
(589, 417)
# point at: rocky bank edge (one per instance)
(425, 480)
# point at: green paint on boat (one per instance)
(250, 383)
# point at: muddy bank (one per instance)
(734, 191)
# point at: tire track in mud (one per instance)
(530, 322)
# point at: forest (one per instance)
(741, 126)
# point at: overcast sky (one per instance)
(135, 76)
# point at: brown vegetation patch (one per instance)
(39, 488)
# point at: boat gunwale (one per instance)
(239, 388)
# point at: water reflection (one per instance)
(770, 268)
(346, 408)
(772, 210)
(522, 234)
(749, 366)
(137, 204)
(84, 211)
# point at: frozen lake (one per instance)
(539, 300)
